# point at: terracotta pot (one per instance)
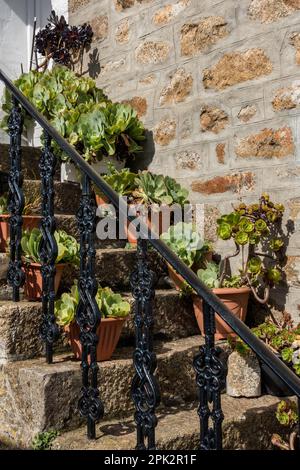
(234, 299)
(155, 225)
(29, 222)
(33, 287)
(109, 332)
(178, 280)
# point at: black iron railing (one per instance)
(210, 370)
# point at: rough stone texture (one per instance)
(150, 52)
(292, 270)
(167, 13)
(139, 104)
(220, 153)
(121, 5)
(295, 41)
(213, 119)
(287, 98)
(247, 113)
(188, 160)
(178, 89)
(222, 184)
(122, 33)
(36, 397)
(74, 5)
(237, 67)
(165, 131)
(19, 325)
(100, 27)
(243, 377)
(196, 37)
(245, 420)
(268, 11)
(269, 143)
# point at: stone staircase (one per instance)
(36, 397)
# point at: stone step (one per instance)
(67, 195)
(248, 425)
(30, 161)
(19, 325)
(35, 397)
(113, 267)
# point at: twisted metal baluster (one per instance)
(15, 275)
(210, 378)
(48, 247)
(88, 315)
(145, 389)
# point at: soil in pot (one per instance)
(33, 287)
(272, 384)
(29, 222)
(235, 300)
(109, 332)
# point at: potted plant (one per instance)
(151, 199)
(30, 218)
(100, 130)
(256, 232)
(284, 341)
(287, 416)
(114, 311)
(185, 241)
(122, 181)
(68, 252)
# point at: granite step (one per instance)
(248, 425)
(36, 396)
(20, 323)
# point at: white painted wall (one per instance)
(16, 30)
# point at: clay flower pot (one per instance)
(29, 222)
(33, 287)
(109, 332)
(101, 200)
(235, 300)
(178, 280)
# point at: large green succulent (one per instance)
(111, 305)
(81, 113)
(210, 275)
(184, 240)
(68, 248)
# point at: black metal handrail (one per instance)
(211, 302)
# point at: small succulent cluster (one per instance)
(185, 241)
(287, 416)
(283, 340)
(3, 204)
(111, 305)
(68, 248)
(61, 42)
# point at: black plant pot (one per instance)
(272, 384)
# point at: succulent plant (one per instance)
(256, 232)
(68, 248)
(158, 189)
(209, 275)
(63, 43)
(287, 416)
(81, 113)
(111, 305)
(184, 240)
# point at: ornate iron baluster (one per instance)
(15, 275)
(48, 247)
(145, 390)
(210, 377)
(88, 315)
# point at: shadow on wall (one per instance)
(143, 160)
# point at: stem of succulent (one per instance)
(266, 296)
(225, 265)
(264, 254)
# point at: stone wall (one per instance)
(217, 83)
